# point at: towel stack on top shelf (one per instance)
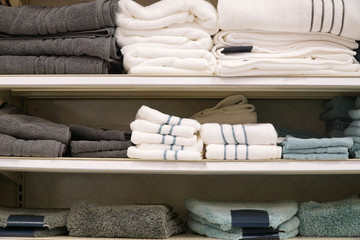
(57, 40)
(283, 37)
(162, 136)
(353, 130)
(167, 37)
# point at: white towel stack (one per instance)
(161, 136)
(167, 37)
(282, 37)
(240, 142)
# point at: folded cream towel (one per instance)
(142, 137)
(142, 125)
(242, 152)
(199, 145)
(248, 134)
(134, 152)
(156, 116)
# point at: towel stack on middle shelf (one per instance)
(353, 130)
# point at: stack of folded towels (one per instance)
(32, 222)
(98, 143)
(336, 115)
(279, 37)
(243, 220)
(353, 130)
(162, 136)
(167, 37)
(76, 39)
(240, 141)
(123, 221)
(316, 148)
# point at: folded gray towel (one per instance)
(94, 146)
(102, 154)
(129, 221)
(32, 232)
(33, 128)
(10, 146)
(34, 20)
(79, 132)
(53, 65)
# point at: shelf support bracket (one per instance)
(14, 177)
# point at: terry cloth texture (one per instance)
(330, 219)
(102, 154)
(102, 145)
(79, 132)
(160, 154)
(337, 108)
(128, 221)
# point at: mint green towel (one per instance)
(330, 219)
(319, 150)
(299, 143)
(315, 156)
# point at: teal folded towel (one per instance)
(330, 219)
(356, 139)
(219, 214)
(357, 100)
(337, 107)
(354, 114)
(331, 150)
(315, 156)
(352, 131)
(299, 143)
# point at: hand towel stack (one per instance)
(167, 37)
(243, 220)
(279, 37)
(123, 221)
(240, 142)
(162, 136)
(317, 148)
(336, 115)
(32, 222)
(98, 143)
(353, 130)
(75, 39)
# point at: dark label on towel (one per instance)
(249, 218)
(252, 235)
(237, 49)
(25, 221)
(16, 232)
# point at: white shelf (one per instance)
(203, 167)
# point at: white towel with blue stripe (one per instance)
(242, 152)
(158, 154)
(151, 146)
(142, 137)
(246, 134)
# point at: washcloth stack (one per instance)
(336, 116)
(167, 37)
(164, 137)
(32, 222)
(123, 221)
(98, 143)
(74, 39)
(22, 135)
(353, 130)
(316, 148)
(240, 141)
(279, 37)
(243, 220)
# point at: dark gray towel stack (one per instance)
(127, 221)
(98, 143)
(58, 40)
(358, 52)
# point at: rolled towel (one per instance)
(352, 131)
(156, 116)
(102, 154)
(127, 221)
(355, 123)
(337, 108)
(246, 134)
(336, 17)
(354, 114)
(242, 152)
(298, 143)
(32, 232)
(98, 146)
(79, 132)
(34, 20)
(167, 13)
(227, 215)
(330, 219)
(151, 146)
(142, 137)
(316, 156)
(142, 125)
(158, 154)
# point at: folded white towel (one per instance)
(248, 134)
(180, 37)
(142, 125)
(199, 145)
(134, 152)
(142, 137)
(195, 13)
(336, 16)
(242, 152)
(156, 116)
(159, 59)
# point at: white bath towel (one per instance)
(159, 59)
(142, 137)
(180, 37)
(199, 145)
(167, 13)
(142, 125)
(337, 17)
(156, 116)
(248, 134)
(242, 152)
(134, 152)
